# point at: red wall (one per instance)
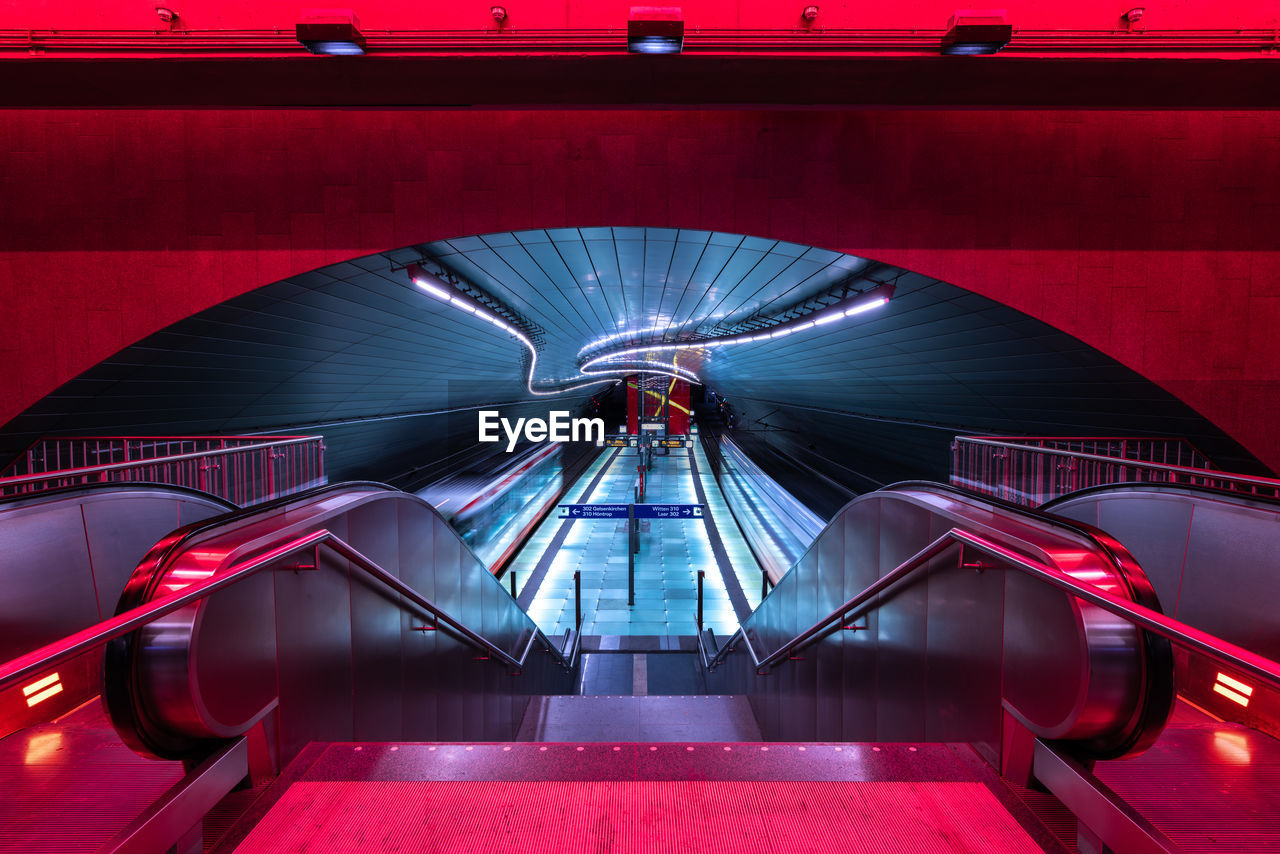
(535, 14)
(1150, 236)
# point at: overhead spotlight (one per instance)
(499, 14)
(655, 29)
(332, 32)
(1134, 17)
(809, 15)
(971, 32)
(167, 16)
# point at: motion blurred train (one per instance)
(496, 504)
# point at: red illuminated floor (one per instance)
(628, 797)
(687, 817)
(71, 785)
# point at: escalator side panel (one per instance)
(452, 714)
(313, 652)
(830, 674)
(376, 628)
(41, 604)
(1160, 543)
(1248, 614)
(117, 540)
(800, 688)
(420, 673)
(963, 650)
(860, 529)
(902, 631)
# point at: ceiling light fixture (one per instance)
(445, 293)
(972, 33)
(863, 302)
(331, 32)
(649, 367)
(655, 29)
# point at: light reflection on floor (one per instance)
(671, 553)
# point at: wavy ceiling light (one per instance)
(864, 302)
(446, 293)
(596, 366)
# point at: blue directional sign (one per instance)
(669, 511)
(593, 511)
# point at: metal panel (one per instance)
(419, 678)
(1229, 586)
(234, 654)
(829, 664)
(862, 561)
(902, 630)
(964, 650)
(377, 628)
(48, 581)
(1158, 540)
(452, 663)
(313, 652)
(119, 538)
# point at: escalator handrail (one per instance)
(50, 655)
(1224, 653)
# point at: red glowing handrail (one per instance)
(1212, 646)
(40, 660)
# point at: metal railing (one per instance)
(50, 655)
(1032, 474)
(1221, 651)
(244, 470)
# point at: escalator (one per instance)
(67, 555)
(348, 612)
(346, 657)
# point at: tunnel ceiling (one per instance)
(354, 350)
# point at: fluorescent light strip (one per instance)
(864, 302)
(422, 279)
(673, 371)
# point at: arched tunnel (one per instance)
(393, 376)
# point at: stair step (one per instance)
(701, 718)
(603, 798)
(639, 797)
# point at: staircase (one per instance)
(628, 797)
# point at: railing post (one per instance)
(512, 574)
(271, 473)
(701, 575)
(632, 547)
(764, 583)
(577, 600)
